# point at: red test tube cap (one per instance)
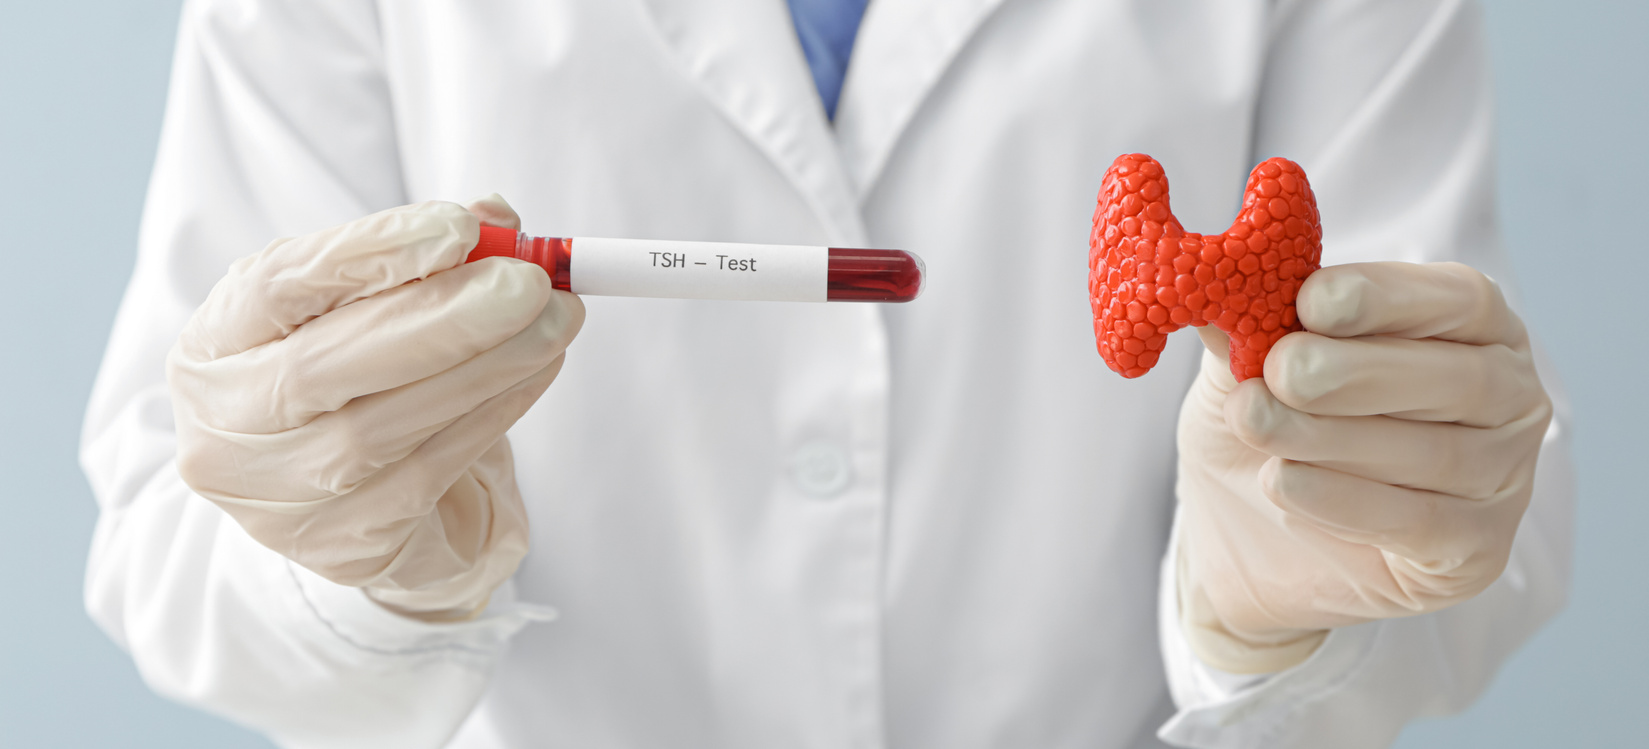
(495, 242)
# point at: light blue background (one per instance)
(81, 89)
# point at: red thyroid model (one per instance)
(1147, 277)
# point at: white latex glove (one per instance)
(1379, 469)
(344, 396)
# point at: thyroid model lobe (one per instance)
(1147, 277)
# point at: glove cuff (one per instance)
(1222, 649)
(465, 613)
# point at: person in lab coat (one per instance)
(941, 524)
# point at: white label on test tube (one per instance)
(699, 270)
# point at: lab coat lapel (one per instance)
(745, 56)
(901, 53)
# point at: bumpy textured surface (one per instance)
(1147, 277)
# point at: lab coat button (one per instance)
(821, 470)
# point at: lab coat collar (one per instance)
(746, 58)
(903, 50)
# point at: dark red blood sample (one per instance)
(551, 253)
(1147, 277)
(873, 276)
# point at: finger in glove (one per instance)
(1437, 536)
(341, 449)
(402, 335)
(1449, 301)
(1464, 461)
(1423, 380)
(267, 295)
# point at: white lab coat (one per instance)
(937, 525)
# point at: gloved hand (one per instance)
(344, 397)
(1379, 469)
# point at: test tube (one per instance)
(711, 270)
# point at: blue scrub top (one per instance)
(827, 29)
